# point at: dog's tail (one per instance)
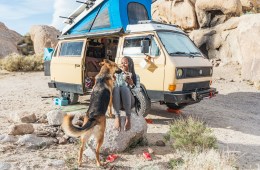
(74, 131)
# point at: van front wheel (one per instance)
(143, 104)
(71, 97)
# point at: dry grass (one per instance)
(16, 62)
(208, 159)
(190, 135)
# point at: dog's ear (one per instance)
(106, 61)
(101, 63)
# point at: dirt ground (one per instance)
(234, 116)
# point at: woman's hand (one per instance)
(129, 80)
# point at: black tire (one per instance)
(144, 104)
(71, 97)
(174, 106)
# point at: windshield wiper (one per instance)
(182, 53)
(195, 53)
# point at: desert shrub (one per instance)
(208, 159)
(190, 134)
(16, 62)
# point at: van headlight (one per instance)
(179, 73)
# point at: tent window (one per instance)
(136, 12)
(102, 20)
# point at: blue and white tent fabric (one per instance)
(111, 15)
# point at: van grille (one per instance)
(196, 72)
(197, 85)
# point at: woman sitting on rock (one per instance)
(127, 84)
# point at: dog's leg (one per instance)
(84, 139)
(100, 138)
(110, 104)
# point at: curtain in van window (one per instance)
(136, 12)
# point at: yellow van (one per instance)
(173, 71)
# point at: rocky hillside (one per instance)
(226, 31)
(8, 40)
(40, 37)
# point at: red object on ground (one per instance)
(149, 121)
(147, 156)
(178, 112)
(111, 158)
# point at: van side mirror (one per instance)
(145, 46)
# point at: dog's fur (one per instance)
(95, 119)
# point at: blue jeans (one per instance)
(122, 98)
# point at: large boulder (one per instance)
(248, 38)
(118, 141)
(207, 9)
(44, 36)
(8, 41)
(180, 12)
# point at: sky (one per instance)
(20, 15)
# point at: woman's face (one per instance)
(124, 64)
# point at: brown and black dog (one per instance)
(95, 119)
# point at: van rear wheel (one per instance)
(71, 97)
(174, 106)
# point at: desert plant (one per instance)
(190, 134)
(208, 159)
(16, 62)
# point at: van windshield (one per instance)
(178, 44)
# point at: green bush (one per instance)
(191, 135)
(16, 62)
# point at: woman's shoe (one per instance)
(127, 123)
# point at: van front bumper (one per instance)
(189, 97)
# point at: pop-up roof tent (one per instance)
(107, 16)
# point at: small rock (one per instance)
(221, 78)
(8, 138)
(42, 120)
(62, 140)
(55, 117)
(150, 150)
(5, 166)
(21, 129)
(232, 80)
(34, 142)
(57, 163)
(72, 140)
(24, 117)
(160, 143)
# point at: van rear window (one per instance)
(71, 49)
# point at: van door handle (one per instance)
(77, 65)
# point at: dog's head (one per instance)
(112, 66)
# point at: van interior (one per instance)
(97, 50)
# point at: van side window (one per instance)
(132, 46)
(71, 49)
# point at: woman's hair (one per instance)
(131, 68)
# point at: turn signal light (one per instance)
(172, 87)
